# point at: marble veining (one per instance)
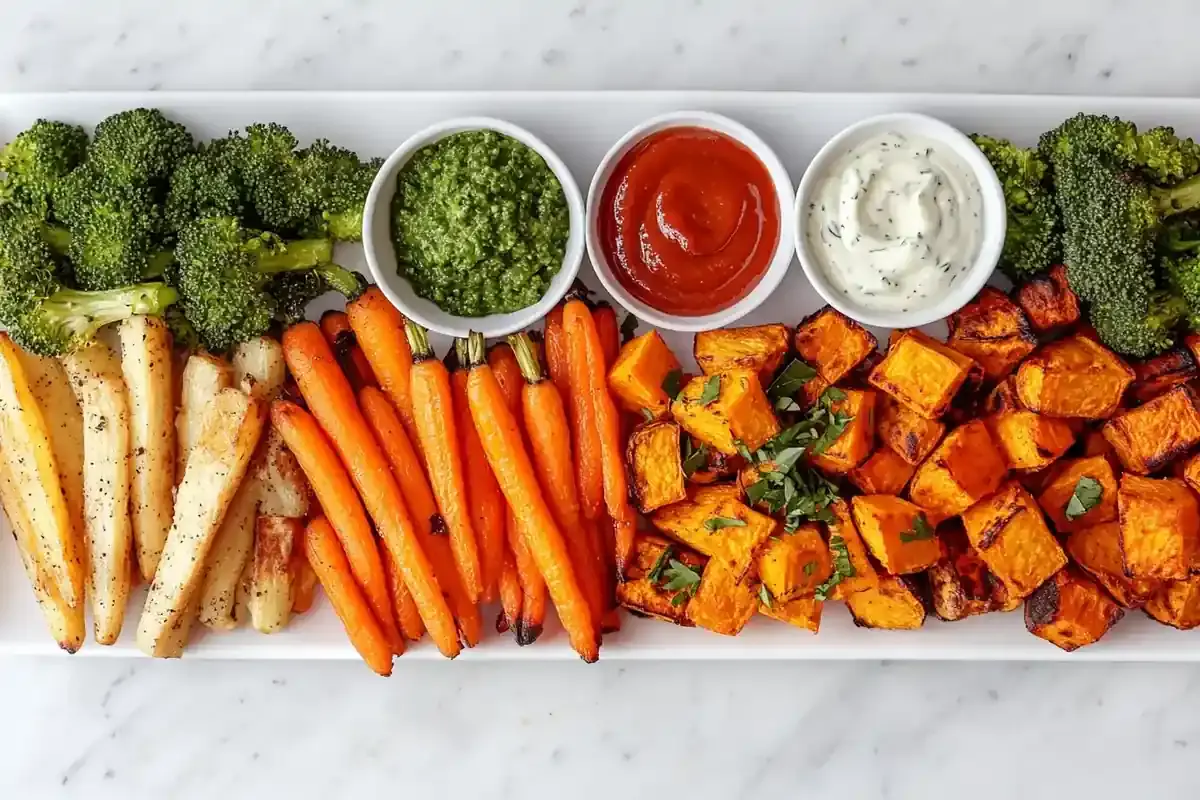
(133, 729)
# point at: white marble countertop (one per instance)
(125, 729)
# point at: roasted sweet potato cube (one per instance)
(723, 604)
(758, 348)
(859, 377)
(1177, 603)
(719, 526)
(992, 331)
(963, 469)
(1048, 302)
(647, 597)
(853, 446)
(803, 612)
(832, 344)
(896, 532)
(1165, 371)
(1160, 527)
(905, 431)
(1029, 440)
(1189, 471)
(1055, 497)
(960, 583)
(1073, 377)
(884, 472)
(1097, 550)
(846, 545)
(737, 409)
(1070, 610)
(1149, 437)
(1008, 531)
(714, 493)
(636, 378)
(894, 604)
(655, 466)
(794, 564)
(921, 373)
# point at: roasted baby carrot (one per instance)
(335, 492)
(398, 450)
(407, 615)
(333, 571)
(533, 588)
(510, 594)
(585, 435)
(555, 342)
(505, 449)
(608, 330)
(304, 581)
(483, 493)
(532, 621)
(379, 328)
(331, 401)
(336, 327)
(589, 378)
(433, 410)
(549, 437)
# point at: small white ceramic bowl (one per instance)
(995, 219)
(780, 261)
(381, 253)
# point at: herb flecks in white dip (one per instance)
(894, 221)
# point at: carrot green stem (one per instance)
(418, 341)
(531, 369)
(476, 350)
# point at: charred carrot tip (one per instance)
(525, 633)
(502, 623)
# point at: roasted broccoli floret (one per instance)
(337, 184)
(1112, 220)
(1032, 243)
(208, 183)
(115, 230)
(293, 291)
(138, 147)
(223, 273)
(275, 180)
(36, 160)
(48, 319)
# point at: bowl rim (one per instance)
(781, 259)
(994, 220)
(377, 213)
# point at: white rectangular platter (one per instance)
(581, 126)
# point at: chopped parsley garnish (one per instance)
(647, 415)
(809, 568)
(673, 383)
(842, 567)
(681, 579)
(764, 596)
(714, 524)
(1086, 496)
(921, 530)
(694, 458)
(788, 382)
(712, 390)
(656, 572)
(790, 487)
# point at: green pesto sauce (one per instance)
(480, 224)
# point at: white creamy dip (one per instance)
(894, 221)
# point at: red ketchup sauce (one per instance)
(689, 221)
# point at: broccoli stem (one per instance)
(1178, 199)
(82, 312)
(340, 279)
(297, 255)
